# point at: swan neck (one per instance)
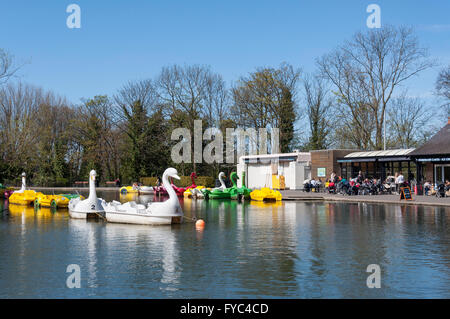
(24, 183)
(92, 192)
(222, 184)
(169, 188)
(233, 181)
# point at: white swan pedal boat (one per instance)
(157, 213)
(90, 207)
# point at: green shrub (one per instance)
(148, 181)
(61, 182)
(206, 181)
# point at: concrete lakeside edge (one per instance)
(291, 195)
(296, 195)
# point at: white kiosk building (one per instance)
(262, 170)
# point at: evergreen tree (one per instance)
(287, 118)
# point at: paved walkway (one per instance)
(393, 199)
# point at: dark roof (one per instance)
(439, 144)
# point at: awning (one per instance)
(381, 156)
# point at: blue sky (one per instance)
(129, 40)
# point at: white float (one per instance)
(90, 207)
(145, 190)
(159, 213)
(197, 193)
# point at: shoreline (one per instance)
(105, 188)
(296, 195)
(291, 195)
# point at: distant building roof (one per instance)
(296, 156)
(387, 153)
(439, 144)
(381, 156)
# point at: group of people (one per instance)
(311, 185)
(360, 185)
(440, 190)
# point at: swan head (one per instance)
(193, 174)
(92, 175)
(171, 172)
(222, 174)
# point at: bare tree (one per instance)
(93, 129)
(7, 66)
(191, 93)
(217, 100)
(258, 97)
(407, 122)
(143, 91)
(366, 71)
(184, 88)
(18, 130)
(443, 87)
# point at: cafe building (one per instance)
(433, 157)
(378, 164)
(430, 162)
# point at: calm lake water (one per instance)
(283, 250)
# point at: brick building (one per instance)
(430, 162)
(433, 157)
(324, 162)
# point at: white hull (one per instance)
(91, 207)
(146, 192)
(125, 218)
(80, 215)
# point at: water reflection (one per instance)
(249, 249)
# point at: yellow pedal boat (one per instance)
(265, 194)
(54, 201)
(129, 189)
(25, 197)
(194, 192)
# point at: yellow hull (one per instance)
(266, 194)
(59, 201)
(25, 198)
(128, 189)
(47, 202)
(24, 202)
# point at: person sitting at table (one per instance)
(447, 184)
(307, 185)
(313, 184)
(427, 187)
(447, 188)
(360, 177)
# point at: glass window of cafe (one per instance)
(442, 173)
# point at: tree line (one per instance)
(358, 91)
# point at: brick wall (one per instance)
(428, 172)
(328, 160)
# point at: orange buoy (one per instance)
(200, 223)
